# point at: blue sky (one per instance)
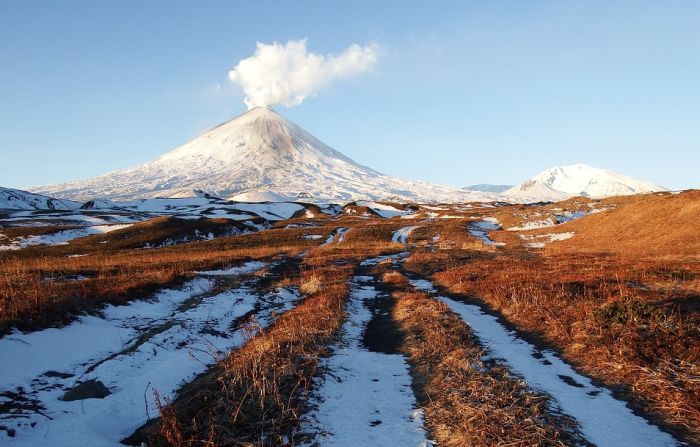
(464, 92)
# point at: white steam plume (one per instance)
(287, 74)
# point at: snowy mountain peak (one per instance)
(579, 180)
(257, 152)
(260, 132)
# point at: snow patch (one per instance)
(401, 235)
(61, 237)
(540, 240)
(481, 229)
(248, 267)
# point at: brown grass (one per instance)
(38, 291)
(624, 318)
(261, 392)
(468, 401)
(634, 325)
(258, 393)
(659, 225)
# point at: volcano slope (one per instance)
(484, 324)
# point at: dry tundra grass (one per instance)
(619, 300)
(468, 401)
(45, 286)
(259, 396)
(635, 326)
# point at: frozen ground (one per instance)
(540, 240)
(559, 218)
(386, 211)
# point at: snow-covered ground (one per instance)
(604, 420)
(15, 199)
(60, 237)
(560, 218)
(71, 218)
(158, 344)
(248, 267)
(401, 235)
(541, 240)
(365, 398)
(108, 212)
(312, 237)
(384, 210)
(342, 232)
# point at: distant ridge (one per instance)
(487, 187)
(15, 199)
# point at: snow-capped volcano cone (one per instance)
(259, 139)
(258, 150)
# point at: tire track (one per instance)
(130, 351)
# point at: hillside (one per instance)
(15, 199)
(663, 224)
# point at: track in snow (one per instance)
(401, 235)
(481, 230)
(133, 349)
(604, 420)
(365, 397)
(338, 233)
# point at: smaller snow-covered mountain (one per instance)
(488, 187)
(533, 191)
(16, 199)
(561, 182)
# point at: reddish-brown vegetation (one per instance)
(634, 325)
(36, 291)
(468, 401)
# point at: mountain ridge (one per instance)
(17, 199)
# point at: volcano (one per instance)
(561, 182)
(258, 154)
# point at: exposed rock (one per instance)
(90, 389)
